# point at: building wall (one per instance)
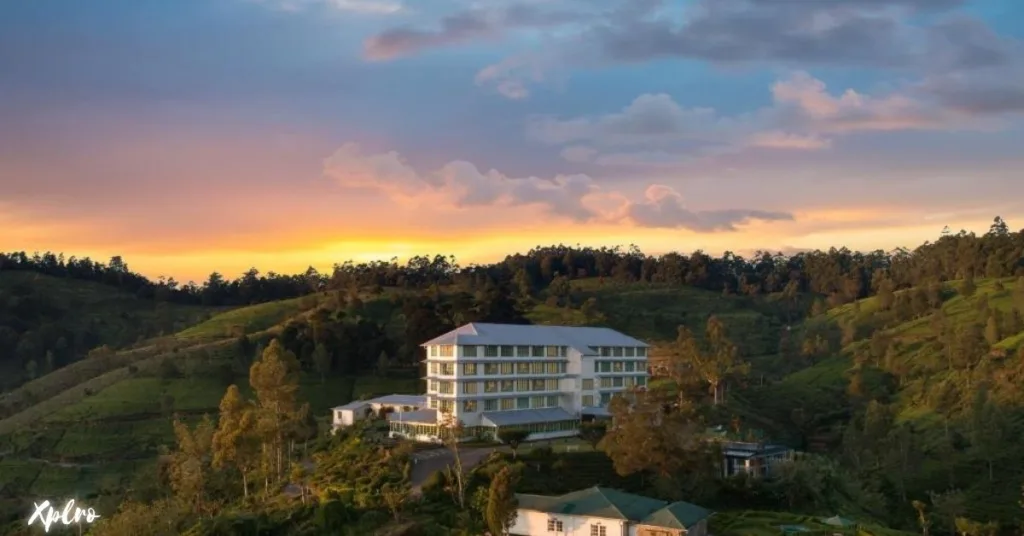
(570, 380)
(531, 523)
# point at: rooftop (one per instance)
(582, 339)
(392, 400)
(614, 504)
(527, 416)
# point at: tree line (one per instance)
(839, 274)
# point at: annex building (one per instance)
(602, 511)
(543, 379)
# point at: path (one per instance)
(426, 462)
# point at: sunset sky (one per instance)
(198, 135)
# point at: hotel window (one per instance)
(554, 525)
(641, 381)
(563, 351)
(629, 381)
(537, 351)
(469, 405)
(490, 351)
(522, 385)
(630, 366)
(446, 406)
(523, 403)
(508, 403)
(588, 384)
(432, 351)
(522, 368)
(551, 385)
(469, 369)
(491, 405)
(605, 366)
(433, 385)
(598, 530)
(469, 388)
(630, 351)
(433, 368)
(617, 381)
(606, 351)
(588, 401)
(538, 402)
(617, 351)
(537, 367)
(469, 351)
(507, 386)
(448, 369)
(606, 383)
(552, 401)
(538, 385)
(433, 403)
(605, 399)
(446, 388)
(491, 387)
(522, 351)
(552, 368)
(508, 368)
(507, 351)
(552, 351)
(617, 366)
(491, 369)
(641, 352)
(447, 350)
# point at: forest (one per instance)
(897, 376)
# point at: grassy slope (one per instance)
(118, 318)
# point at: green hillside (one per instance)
(47, 322)
(112, 414)
(945, 375)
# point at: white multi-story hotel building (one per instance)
(542, 379)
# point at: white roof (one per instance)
(391, 400)
(583, 339)
(526, 416)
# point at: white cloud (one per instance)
(461, 185)
(803, 115)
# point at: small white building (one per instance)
(348, 414)
(601, 511)
(537, 378)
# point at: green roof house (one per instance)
(601, 511)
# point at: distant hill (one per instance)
(47, 322)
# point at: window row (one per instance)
(610, 382)
(492, 350)
(497, 404)
(500, 369)
(542, 427)
(622, 351)
(620, 366)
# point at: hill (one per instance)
(897, 368)
(47, 322)
(111, 415)
(918, 391)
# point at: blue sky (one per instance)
(198, 133)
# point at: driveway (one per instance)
(427, 462)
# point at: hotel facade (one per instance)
(542, 379)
